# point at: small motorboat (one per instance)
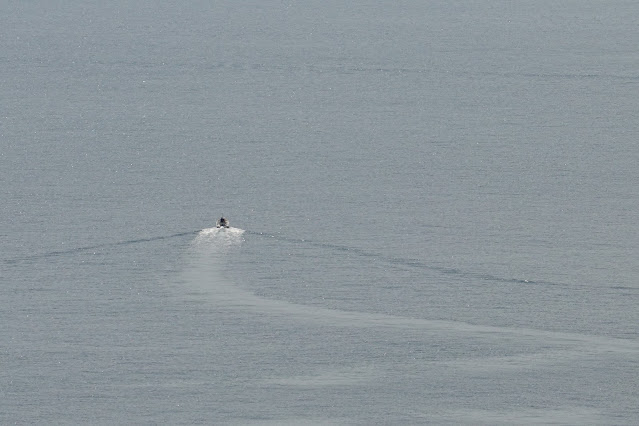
(223, 223)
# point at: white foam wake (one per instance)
(218, 238)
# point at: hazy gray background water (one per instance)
(434, 209)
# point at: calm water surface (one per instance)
(434, 210)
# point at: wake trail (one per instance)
(205, 273)
(407, 262)
(75, 250)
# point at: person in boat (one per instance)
(222, 223)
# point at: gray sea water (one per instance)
(433, 208)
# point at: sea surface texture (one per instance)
(433, 207)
